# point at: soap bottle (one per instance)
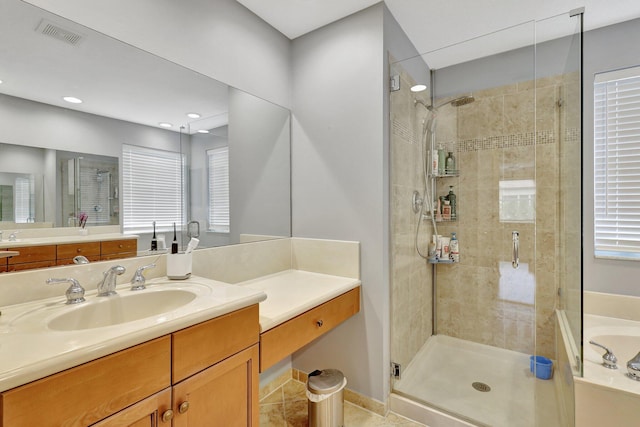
(452, 201)
(441, 160)
(450, 164)
(454, 248)
(446, 211)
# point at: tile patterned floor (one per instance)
(287, 407)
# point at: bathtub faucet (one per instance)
(633, 368)
(609, 359)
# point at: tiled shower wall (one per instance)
(411, 276)
(483, 299)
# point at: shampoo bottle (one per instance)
(454, 247)
(453, 202)
(450, 164)
(441, 160)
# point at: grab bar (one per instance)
(515, 260)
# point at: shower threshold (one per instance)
(478, 384)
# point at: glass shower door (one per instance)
(497, 306)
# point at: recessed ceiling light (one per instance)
(193, 115)
(418, 88)
(165, 125)
(203, 131)
(72, 99)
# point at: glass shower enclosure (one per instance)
(463, 333)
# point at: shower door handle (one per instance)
(515, 260)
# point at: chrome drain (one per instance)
(481, 387)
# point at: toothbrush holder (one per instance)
(179, 266)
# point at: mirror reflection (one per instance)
(232, 149)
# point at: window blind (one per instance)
(23, 200)
(152, 183)
(219, 189)
(617, 164)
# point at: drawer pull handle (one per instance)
(120, 246)
(167, 416)
(184, 407)
(319, 323)
(78, 250)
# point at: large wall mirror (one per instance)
(110, 155)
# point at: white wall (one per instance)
(218, 38)
(605, 49)
(338, 188)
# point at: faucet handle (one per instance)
(633, 368)
(138, 280)
(12, 236)
(75, 293)
(609, 359)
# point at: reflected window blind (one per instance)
(23, 200)
(219, 189)
(617, 164)
(152, 189)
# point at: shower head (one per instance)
(457, 102)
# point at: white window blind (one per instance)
(219, 189)
(617, 164)
(23, 200)
(152, 183)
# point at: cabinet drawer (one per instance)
(31, 265)
(33, 254)
(68, 251)
(207, 343)
(88, 393)
(147, 413)
(284, 339)
(118, 246)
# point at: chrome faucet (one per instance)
(108, 285)
(80, 259)
(137, 281)
(75, 293)
(609, 360)
(633, 368)
(12, 236)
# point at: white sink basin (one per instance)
(116, 309)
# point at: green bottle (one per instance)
(452, 201)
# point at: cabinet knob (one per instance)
(167, 416)
(78, 250)
(120, 246)
(320, 323)
(184, 407)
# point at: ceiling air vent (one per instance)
(52, 30)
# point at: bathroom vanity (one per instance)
(49, 252)
(178, 353)
(179, 375)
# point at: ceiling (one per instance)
(434, 24)
(111, 77)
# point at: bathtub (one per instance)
(605, 396)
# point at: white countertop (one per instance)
(292, 292)
(61, 240)
(29, 351)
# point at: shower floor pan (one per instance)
(481, 384)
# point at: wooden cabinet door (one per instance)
(150, 412)
(224, 395)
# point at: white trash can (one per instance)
(325, 392)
